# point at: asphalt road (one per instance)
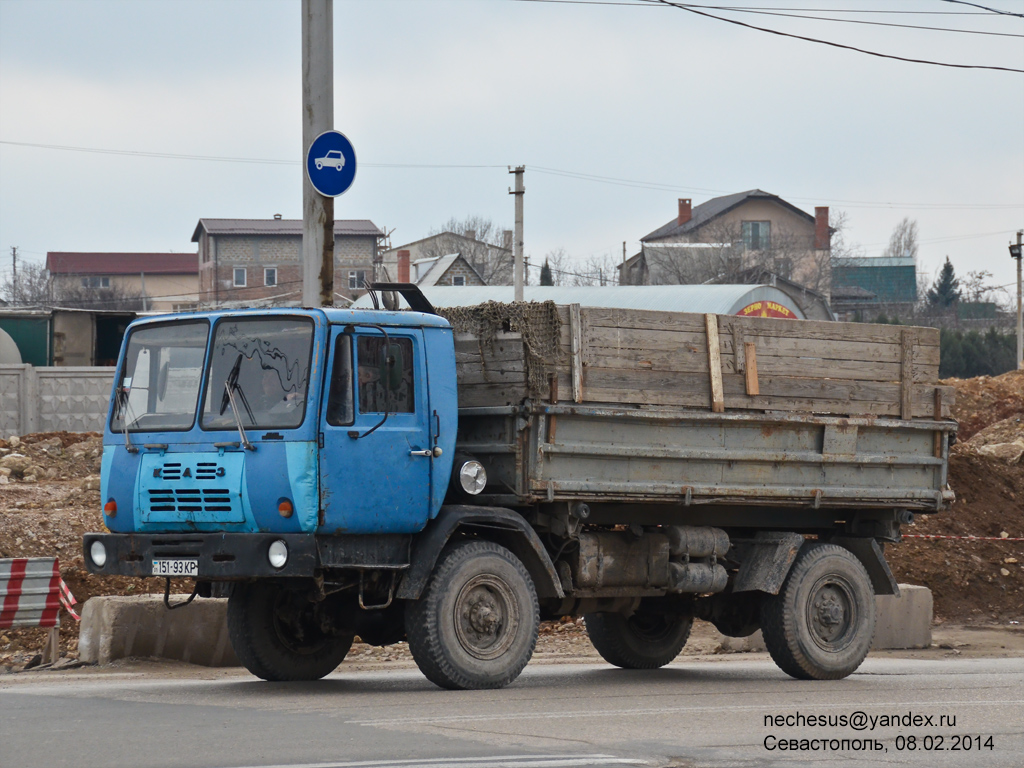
(698, 712)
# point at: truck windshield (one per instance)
(265, 362)
(159, 385)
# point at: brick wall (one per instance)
(256, 253)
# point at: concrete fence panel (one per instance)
(72, 399)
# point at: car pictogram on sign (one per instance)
(333, 159)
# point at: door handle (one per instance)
(428, 453)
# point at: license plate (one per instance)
(175, 567)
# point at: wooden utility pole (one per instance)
(517, 243)
(1020, 316)
(317, 117)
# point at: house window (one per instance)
(356, 278)
(239, 277)
(270, 276)
(95, 282)
(458, 279)
(757, 235)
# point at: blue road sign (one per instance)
(331, 163)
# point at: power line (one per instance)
(560, 172)
(654, 4)
(226, 159)
(875, 23)
(800, 13)
(691, 9)
(986, 8)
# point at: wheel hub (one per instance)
(486, 617)
(830, 614)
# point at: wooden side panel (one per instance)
(638, 357)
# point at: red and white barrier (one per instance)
(32, 592)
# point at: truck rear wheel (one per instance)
(645, 640)
(277, 634)
(820, 625)
(475, 625)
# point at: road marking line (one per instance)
(503, 761)
(663, 711)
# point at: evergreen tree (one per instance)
(945, 291)
(545, 274)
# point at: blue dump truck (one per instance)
(453, 481)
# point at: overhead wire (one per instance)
(561, 172)
(985, 7)
(800, 13)
(805, 38)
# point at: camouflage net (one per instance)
(537, 322)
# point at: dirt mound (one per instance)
(972, 581)
(984, 400)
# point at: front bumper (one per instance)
(221, 556)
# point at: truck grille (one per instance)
(188, 489)
(189, 500)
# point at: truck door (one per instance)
(376, 437)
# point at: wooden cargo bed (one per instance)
(626, 357)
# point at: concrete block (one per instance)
(751, 644)
(901, 622)
(119, 627)
(904, 621)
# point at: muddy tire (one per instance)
(276, 634)
(475, 625)
(820, 625)
(645, 640)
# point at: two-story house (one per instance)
(162, 282)
(259, 261)
(727, 236)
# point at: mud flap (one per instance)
(872, 558)
(765, 561)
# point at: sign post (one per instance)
(317, 117)
(1015, 252)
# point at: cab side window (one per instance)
(340, 405)
(386, 381)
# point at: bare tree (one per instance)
(485, 247)
(904, 239)
(113, 297)
(36, 288)
(722, 256)
(594, 270)
(32, 287)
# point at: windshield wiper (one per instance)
(231, 386)
(121, 409)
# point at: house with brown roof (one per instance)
(728, 236)
(259, 261)
(162, 282)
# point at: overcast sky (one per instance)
(660, 102)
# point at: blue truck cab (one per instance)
(297, 462)
(333, 423)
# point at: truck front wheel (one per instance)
(279, 635)
(475, 625)
(645, 640)
(820, 625)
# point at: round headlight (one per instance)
(278, 554)
(98, 553)
(472, 477)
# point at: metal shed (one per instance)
(753, 300)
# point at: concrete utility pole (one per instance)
(14, 271)
(1020, 317)
(517, 243)
(317, 117)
